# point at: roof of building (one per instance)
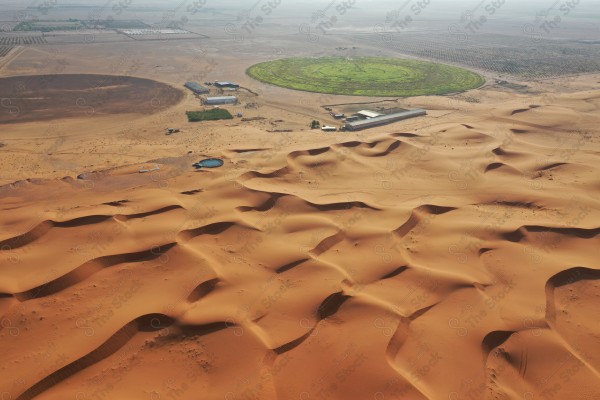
(386, 118)
(196, 86)
(225, 83)
(368, 113)
(222, 98)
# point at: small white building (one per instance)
(326, 128)
(368, 114)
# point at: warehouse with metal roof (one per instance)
(224, 84)
(220, 100)
(197, 88)
(383, 119)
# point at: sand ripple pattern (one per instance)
(457, 263)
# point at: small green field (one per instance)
(366, 76)
(208, 115)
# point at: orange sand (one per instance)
(457, 263)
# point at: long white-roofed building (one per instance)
(384, 119)
(220, 100)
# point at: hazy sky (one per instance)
(389, 4)
(419, 9)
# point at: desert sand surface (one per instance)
(453, 256)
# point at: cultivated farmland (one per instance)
(19, 40)
(4, 50)
(47, 97)
(366, 76)
(519, 56)
(209, 115)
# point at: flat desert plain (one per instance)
(452, 256)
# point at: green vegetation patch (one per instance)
(366, 76)
(208, 115)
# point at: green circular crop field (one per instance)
(366, 76)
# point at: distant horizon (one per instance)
(424, 8)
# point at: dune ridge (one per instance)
(452, 263)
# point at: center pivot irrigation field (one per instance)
(366, 76)
(46, 97)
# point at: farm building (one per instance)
(197, 88)
(226, 85)
(368, 114)
(220, 100)
(384, 119)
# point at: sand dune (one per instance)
(459, 262)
